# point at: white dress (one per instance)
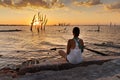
(75, 55)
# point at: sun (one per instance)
(36, 23)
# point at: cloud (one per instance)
(6, 3)
(57, 3)
(113, 6)
(87, 3)
(35, 3)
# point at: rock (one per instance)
(30, 62)
(115, 77)
(6, 77)
(109, 70)
(105, 71)
(1, 55)
(117, 62)
(7, 72)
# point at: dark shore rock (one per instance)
(7, 72)
(57, 67)
(1, 55)
(90, 69)
(16, 30)
(63, 65)
(107, 71)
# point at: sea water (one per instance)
(16, 47)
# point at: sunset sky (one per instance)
(61, 11)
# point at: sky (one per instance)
(72, 12)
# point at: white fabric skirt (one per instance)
(75, 56)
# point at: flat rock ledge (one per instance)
(61, 64)
(57, 67)
(90, 69)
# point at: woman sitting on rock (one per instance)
(75, 48)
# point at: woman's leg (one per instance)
(62, 53)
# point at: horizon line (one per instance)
(58, 25)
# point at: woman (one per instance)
(74, 48)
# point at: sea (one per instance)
(19, 46)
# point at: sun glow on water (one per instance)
(36, 23)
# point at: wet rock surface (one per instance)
(109, 70)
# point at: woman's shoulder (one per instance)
(80, 39)
(70, 40)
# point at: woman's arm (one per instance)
(68, 46)
(82, 45)
(81, 41)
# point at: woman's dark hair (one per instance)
(76, 31)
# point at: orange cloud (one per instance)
(36, 3)
(87, 3)
(113, 6)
